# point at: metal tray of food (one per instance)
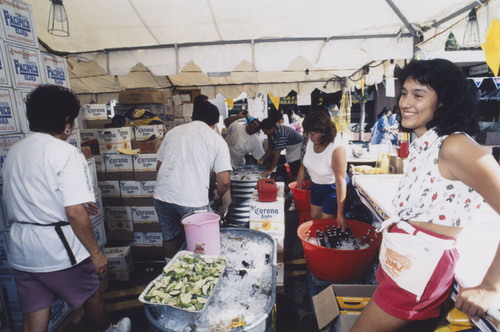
(186, 283)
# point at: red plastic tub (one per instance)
(336, 265)
(301, 197)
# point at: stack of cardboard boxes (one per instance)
(183, 106)
(127, 181)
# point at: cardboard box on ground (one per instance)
(341, 304)
(120, 263)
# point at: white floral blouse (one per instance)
(424, 195)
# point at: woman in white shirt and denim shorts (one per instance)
(326, 162)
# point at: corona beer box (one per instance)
(100, 167)
(130, 189)
(112, 138)
(145, 166)
(114, 135)
(148, 239)
(119, 262)
(95, 111)
(143, 133)
(152, 239)
(148, 188)
(119, 167)
(145, 221)
(269, 217)
(144, 215)
(268, 211)
(109, 188)
(119, 218)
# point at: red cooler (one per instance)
(268, 191)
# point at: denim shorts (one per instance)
(37, 291)
(325, 195)
(170, 216)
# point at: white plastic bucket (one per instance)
(202, 232)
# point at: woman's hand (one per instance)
(301, 179)
(91, 209)
(342, 221)
(476, 300)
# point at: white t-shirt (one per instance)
(188, 153)
(240, 144)
(42, 175)
(319, 165)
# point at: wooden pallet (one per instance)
(123, 299)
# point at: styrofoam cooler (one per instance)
(202, 232)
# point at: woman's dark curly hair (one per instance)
(457, 100)
(320, 122)
(50, 107)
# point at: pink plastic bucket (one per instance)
(202, 232)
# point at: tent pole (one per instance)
(361, 119)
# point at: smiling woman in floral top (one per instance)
(448, 176)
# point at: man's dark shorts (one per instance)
(170, 216)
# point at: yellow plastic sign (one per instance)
(492, 46)
(275, 101)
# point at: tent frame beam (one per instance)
(244, 41)
(407, 24)
(455, 14)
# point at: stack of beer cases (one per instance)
(127, 180)
(23, 68)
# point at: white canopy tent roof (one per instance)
(231, 46)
